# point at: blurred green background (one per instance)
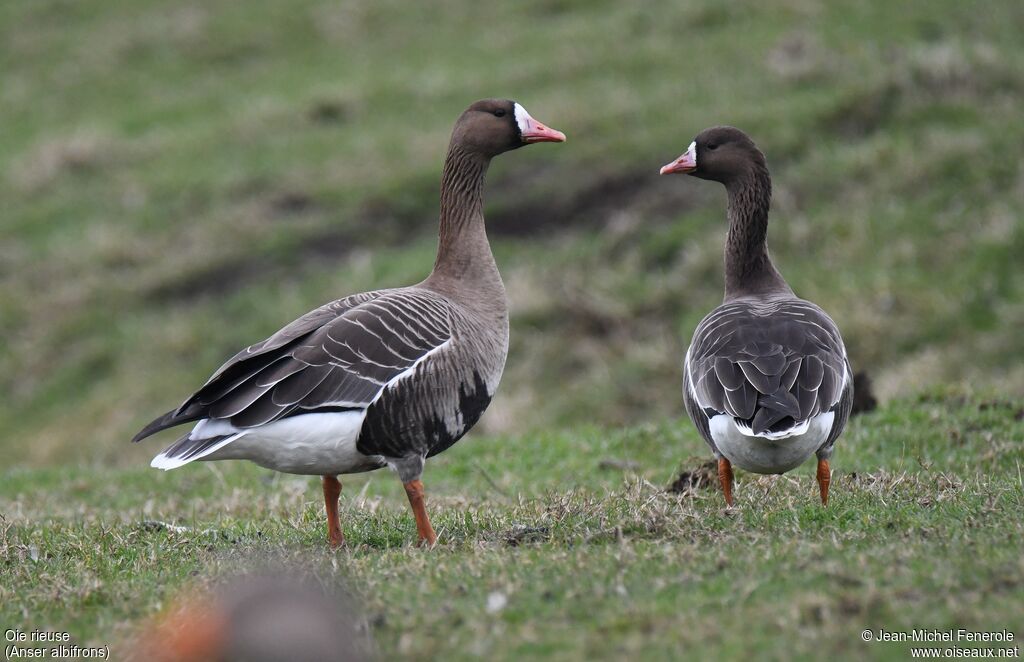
(180, 179)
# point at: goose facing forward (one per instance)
(766, 378)
(383, 378)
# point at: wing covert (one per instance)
(769, 364)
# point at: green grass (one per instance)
(924, 530)
(179, 182)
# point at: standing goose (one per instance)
(766, 378)
(383, 378)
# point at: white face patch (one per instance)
(522, 118)
(691, 151)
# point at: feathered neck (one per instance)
(464, 260)
(748, 267)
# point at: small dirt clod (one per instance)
(691, 480)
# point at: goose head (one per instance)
(493, 126)
(721, 153)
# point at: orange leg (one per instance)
(725, 478)
(332, 490)
(414, 490)
(824, 478)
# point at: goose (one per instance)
(766, 379)
(262, 616)
(379, 379)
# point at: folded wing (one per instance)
(339, 357)
(771, 366)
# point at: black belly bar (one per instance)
(404, 423)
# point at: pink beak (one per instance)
(536, 132)
(685, 163)
(532, 131)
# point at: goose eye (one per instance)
(499, 112)
(712, 147)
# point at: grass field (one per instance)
(595, 559)
(181, 179)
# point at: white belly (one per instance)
(769, 456)
(305, 444)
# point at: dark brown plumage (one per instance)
(766, 377)
(389, 377)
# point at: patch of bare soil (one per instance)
(691, 480)
(524, 535)
(596, 205)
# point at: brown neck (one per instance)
(464, 258)
(748, 267)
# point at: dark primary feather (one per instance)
(769, 362)
(186, 448)
(339, 356)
